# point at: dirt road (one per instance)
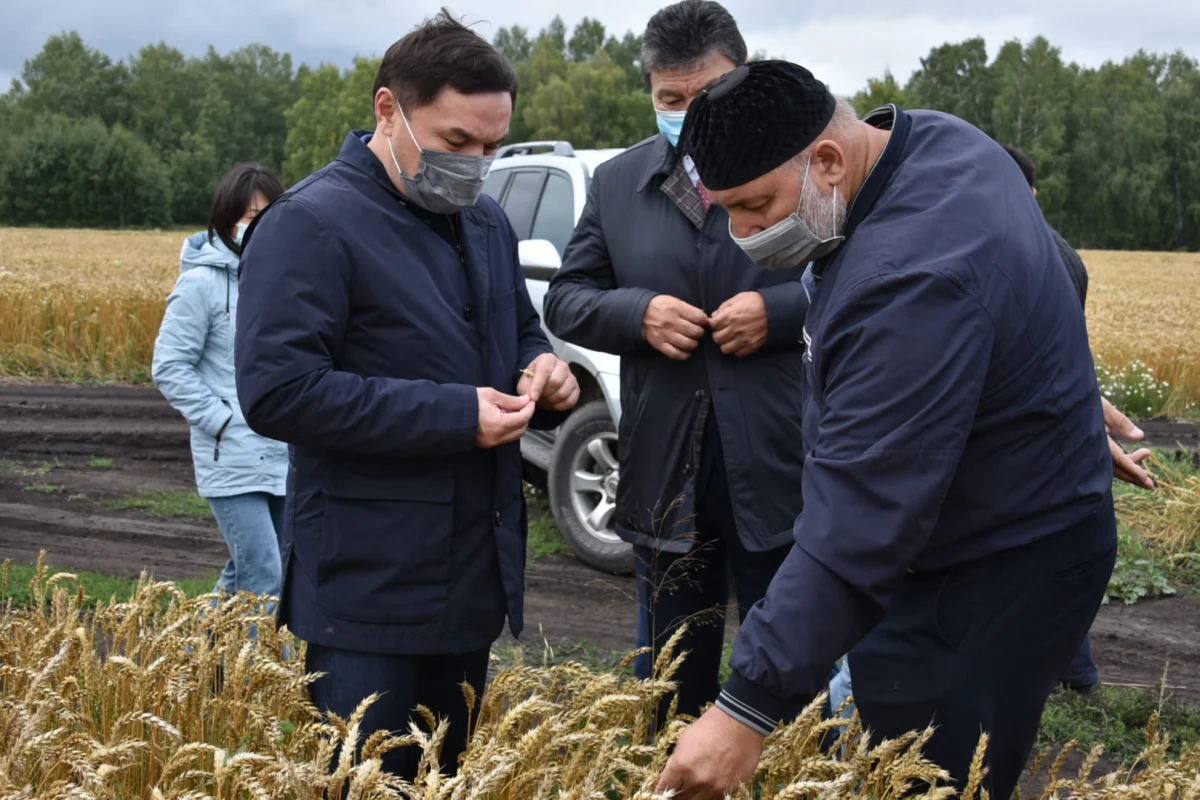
(61, 508)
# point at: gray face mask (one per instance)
(789, 243)
(445, 183)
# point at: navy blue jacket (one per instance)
(361, 340)
(952, 410)
(632, 243)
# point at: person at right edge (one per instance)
(1083, 675)
(958, 531)
(711, 366)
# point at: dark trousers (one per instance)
(1083, 672)
(404, 682)
(695, 587)
(980, 646)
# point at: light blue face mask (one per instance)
(670, 124)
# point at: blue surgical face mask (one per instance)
(670, 124)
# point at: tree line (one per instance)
(86, 141)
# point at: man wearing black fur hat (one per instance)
(958, 529)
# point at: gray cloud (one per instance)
(843, 42)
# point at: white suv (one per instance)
(542, 187)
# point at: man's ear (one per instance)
(385, 111)
(830, 161)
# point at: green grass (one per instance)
(16, 580)
(1117, 718)
(100, 463)
(165, 504)
(581, 652)
(45, 488)
(8, 465)
(545, 540)
(1142, 572)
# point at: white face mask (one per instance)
(789, 243)
(445, 183)
(240, 232)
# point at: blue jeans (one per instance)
(251, 525)
(403, 682)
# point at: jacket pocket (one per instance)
(386, 544)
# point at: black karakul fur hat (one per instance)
(753, 120)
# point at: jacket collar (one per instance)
(887, 117)
(356, 153)
(660, 163)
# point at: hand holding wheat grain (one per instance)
(502, 417)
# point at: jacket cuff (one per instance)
(467, 400)
(787, 307)
(637, 313)
(754, 706)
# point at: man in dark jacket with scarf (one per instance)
(711, 364)
(385, 333)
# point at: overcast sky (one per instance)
(843, 42)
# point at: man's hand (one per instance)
(502, 417)
(715, 756)
(550, 384)
(1126, 466)
(739, 326)
(672, 327)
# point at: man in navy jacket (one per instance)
(385, 333)
(958, 530)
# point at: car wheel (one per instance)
(583, 488)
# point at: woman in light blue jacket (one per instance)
(241, 474)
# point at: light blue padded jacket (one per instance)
(193, 368)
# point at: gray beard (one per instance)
(825, 215)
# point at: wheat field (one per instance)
(86, 305)
(162, 697)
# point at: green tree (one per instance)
(587, 40)
(166, 92)
(1032, 106)
(331, 104)
(545, 64)
(590, 106)
(514, 43)
(80, 173)
(194, 172)
(1180, 102)
(246, 95)
(626, 53)
(556, 34)
(879, 92)
(1118, 164)
(69, 78)
(955, 78)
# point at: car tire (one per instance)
(582, 481)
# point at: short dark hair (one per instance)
(443, 52)
(1028, 169)
(232, 198)
(683, 34)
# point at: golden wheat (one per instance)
(1167, 520)
(163, 697)
(87, 304)
(1143, 307)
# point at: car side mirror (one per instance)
(538, 254)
